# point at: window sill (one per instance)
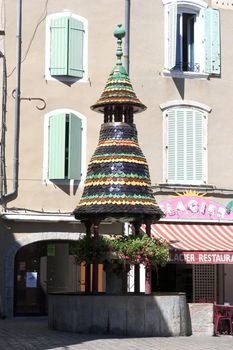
(184, 75)
(62, 182)
(179, 188)
(66, 79)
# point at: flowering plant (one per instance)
(126, 249)
(141, 250)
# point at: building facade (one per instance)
(55, 59)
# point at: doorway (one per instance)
(47, 267)
(30, 297)
(42, 268)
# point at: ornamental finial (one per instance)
(119, 33)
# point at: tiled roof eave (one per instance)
(137, 107)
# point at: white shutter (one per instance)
(171, 34)
(180, 144)
(185, 145)
(190, 145)
(199, 146)
(171, 145)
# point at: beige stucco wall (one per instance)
(77, 97)
(146, 65)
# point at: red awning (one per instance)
(216, 237)
(197, 243)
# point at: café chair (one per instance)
(202, 300)
(221, 314)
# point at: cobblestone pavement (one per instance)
(33, 333)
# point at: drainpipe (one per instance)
(12, 195)
(127, 34)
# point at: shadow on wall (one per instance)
(180, 85)
(69, 187)
(7, 240)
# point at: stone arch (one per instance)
(9, 261)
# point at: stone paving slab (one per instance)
(33, 334)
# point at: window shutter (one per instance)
(190, 145)
(172, 35)
(75, 147)
(199, 146)
(185, 143)
(56, 166)
(76, 33)
(59, 46)
(212, 41)
(171, 145)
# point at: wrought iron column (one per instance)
(88, 225)
(95, 271)
(148, 267)
(136, 266)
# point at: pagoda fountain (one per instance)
(118, 188)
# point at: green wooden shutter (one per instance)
(56, 147)
(76, 35)
(172, 35)
(212, 41)
(59, 46)
(75, 147)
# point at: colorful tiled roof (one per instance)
(118, 183)
(118, 90)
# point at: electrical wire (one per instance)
(41, 19)
(17, 209)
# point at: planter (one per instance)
(158, 315)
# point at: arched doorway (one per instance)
(11, 258)
(41, 268)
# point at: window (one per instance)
(192, 38)
(186, 145)
(66, 51)
(64, 146)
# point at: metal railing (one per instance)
(187, 67)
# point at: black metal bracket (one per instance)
(32, 99)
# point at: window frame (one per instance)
(205, 110)
(66, 79)
(186, 6)
(196, 50)
(45, 175)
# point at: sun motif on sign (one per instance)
(190, 193)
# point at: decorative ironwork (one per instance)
(187, 67)
(32, 99)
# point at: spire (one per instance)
(118, 100)
(119, 33)
(118, 183)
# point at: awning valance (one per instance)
(197, 243)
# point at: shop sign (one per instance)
(31, 279)
(51, 250)
(194, 207)
(177, 257)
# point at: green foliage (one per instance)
(126, 249)
(89, 249)
(141, 249)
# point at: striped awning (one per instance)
(196, 243)
(195, 237)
